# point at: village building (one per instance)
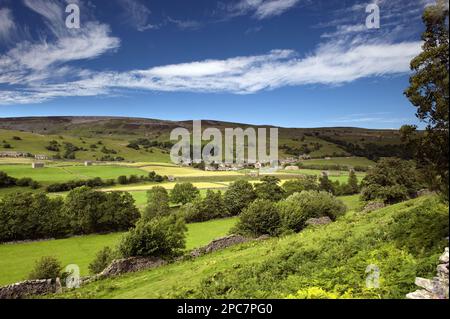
(41, 157)
(304, 157)
(37, 165)
(14, 154)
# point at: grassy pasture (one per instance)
(17, 260)
(348, 161)
(55, 174)
(36, 144)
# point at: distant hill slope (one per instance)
(318, 142)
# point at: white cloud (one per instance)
(6, 24)
(331, 64)
(42, 60)
(136, 14)
(261, 9)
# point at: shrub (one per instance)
(122, 180)
(298, 185)
(184, 193)
(25, 181)
(102, 260)
(298, 208)
(238, 196)
(46, 268)
(158, 237)
(269, 189)
(260, 218)
(157, 202)
(6, 180)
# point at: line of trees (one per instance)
(9, 181)
(28, 216)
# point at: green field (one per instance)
(55, 174)
(329, 257)
(17, 260)
(36, 144)
(345, 161)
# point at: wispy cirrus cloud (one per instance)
(7, 25)
(137, 14)
(43, 60)
(260, 9)
(331, 64)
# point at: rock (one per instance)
(132, 264)
(444, 257)
(420, 294)
(436, 288)
(319, 221)
(220, 243)
(27, 288)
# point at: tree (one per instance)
(352, 184)
(238, 196)
(260, 218)
(102, 260)
(269, 189)
(159, 237)
(157, 202)
(429, 93)
(325, 184)
(391, 180)
(211, 207)
(92, 211)
(184, 193)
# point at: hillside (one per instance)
(118, 132)
(403, 241)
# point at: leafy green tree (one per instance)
(391, 180)
(261, 217)
(92, 211)
(352, 184)
(184, 193)
(158, 237)
(304, 183)
(269, 189)
(31, 216)
(211, 207)
(238, 196)
(429, 93)
(157, 202)
(325, 184)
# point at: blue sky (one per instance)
(293, 63)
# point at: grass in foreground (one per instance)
(17, 260)
(403, 240)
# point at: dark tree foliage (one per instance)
(429, 93)
(238, 196)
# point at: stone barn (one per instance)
(37, 165)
